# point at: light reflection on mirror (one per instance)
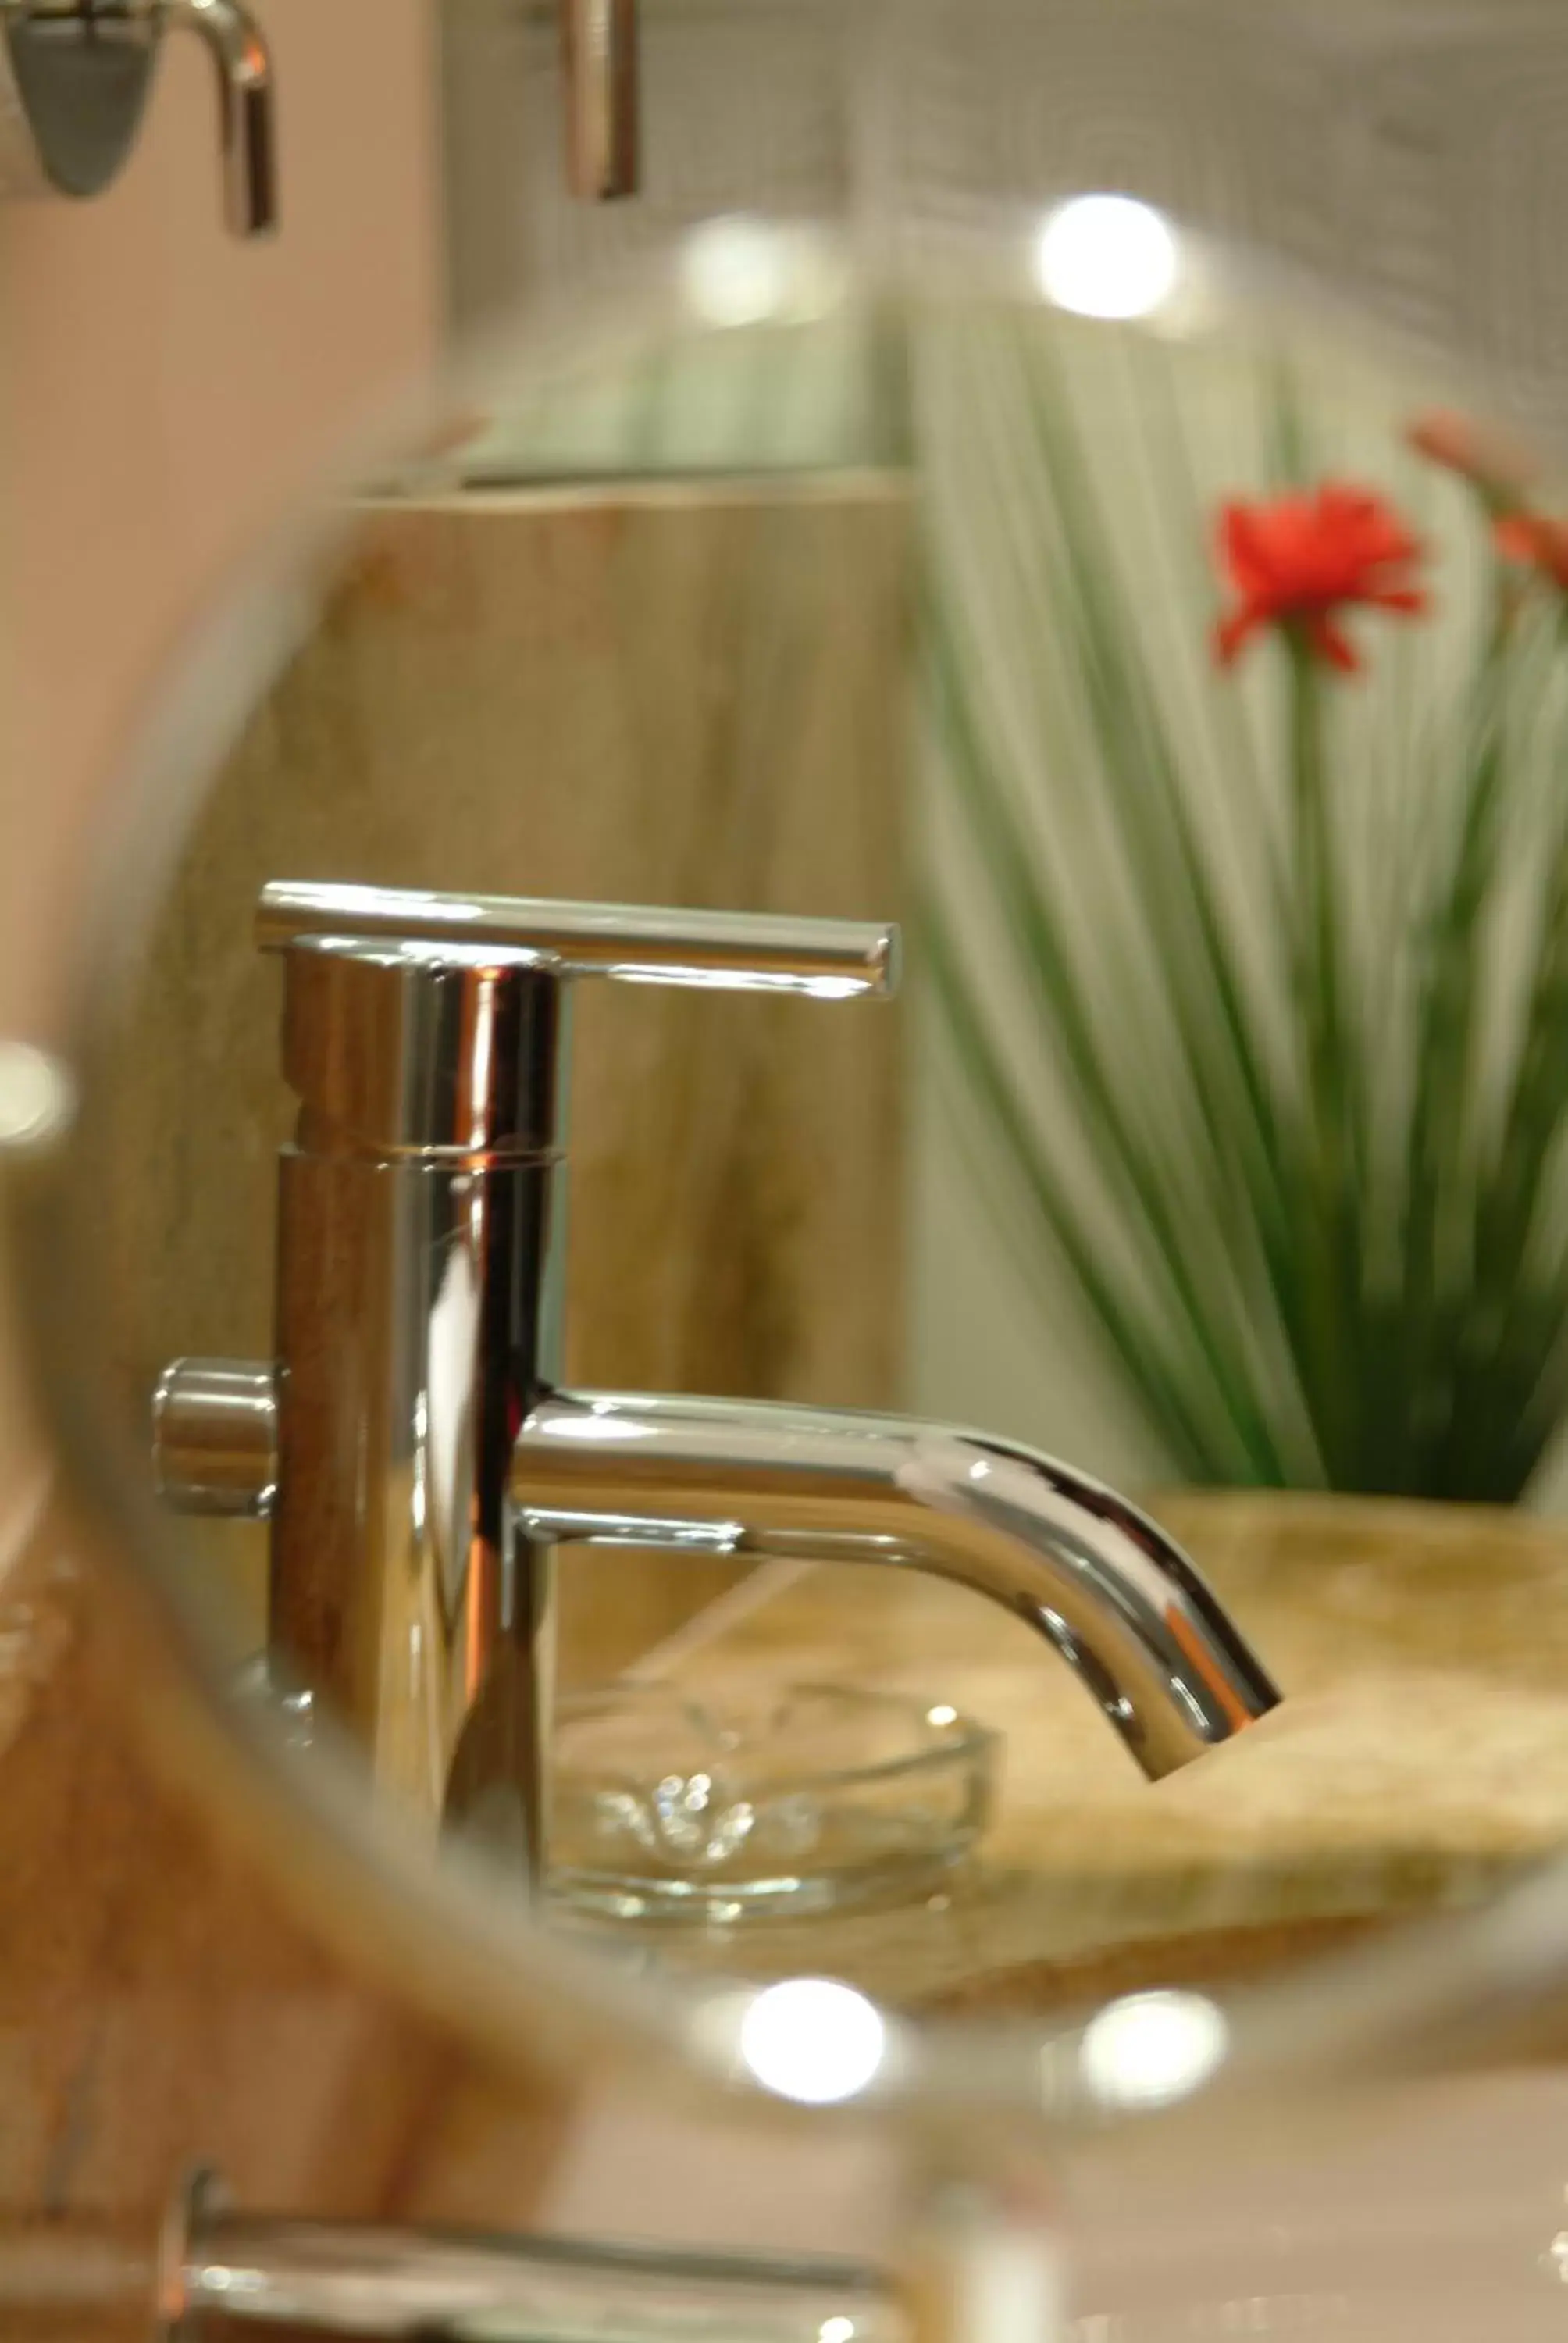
(1150, 2048)
(812, 2040)
(1108, 256)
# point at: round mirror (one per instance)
(674, 1477)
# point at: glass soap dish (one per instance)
(719, 1802)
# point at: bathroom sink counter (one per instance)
(1421, 1754)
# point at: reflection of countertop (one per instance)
(1421, 1754)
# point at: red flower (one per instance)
(1300, 559)
(1485, 458)
(1535, 543)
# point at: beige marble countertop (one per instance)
(1421, 1754)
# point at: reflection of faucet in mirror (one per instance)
(411, 1444)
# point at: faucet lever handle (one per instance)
(726, 951)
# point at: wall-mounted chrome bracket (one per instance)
(599, 69)
(74, 76)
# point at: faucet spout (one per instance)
(246, 129)
(1098, 1580)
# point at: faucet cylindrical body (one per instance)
(415, 1322)
(421, 1248)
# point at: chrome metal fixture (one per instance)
(1098, 1581)
(227, 2272)
(411, 1446)
(80, 72)
(599, 71)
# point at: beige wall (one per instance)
(164, 390)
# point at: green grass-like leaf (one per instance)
(1307, 1175)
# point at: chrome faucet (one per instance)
(80, 71)
(411, 1446)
